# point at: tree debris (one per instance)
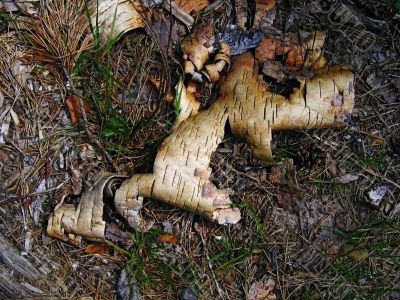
(179, 13)
(70, 223)
(192, 7)
(262, 290)
(265, 13)
(376, 195)
(308, 54)
(181, 170)
(114, 18)
(347, 178)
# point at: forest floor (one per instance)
(335, 236)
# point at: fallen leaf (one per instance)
(64, 271)
(275, 175)
(4, 128)
(151, 3)
(28, 7)
(294, 54)
(376, 195)
(165, 32)
(346, 178)
(262, 290)
(96, 249)
(115, 234)
(241, 13)
(1, 99)
(265, 13)
(358, 255)
(288, 200)
(14, 116)
(168, 238)
(192, 7)
(378, 139)
(179, 13)
(74, 108)
(167, 227)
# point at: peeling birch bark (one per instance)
(71, 223)
(114, 18)
(181, 170)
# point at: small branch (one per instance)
(9, 199)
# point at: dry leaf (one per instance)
(296, 55)
(376, 195)
(275, 177)
(115, 234)
(358, 255)
(346, 178)
(265, 13)
(262, 290)
(168, 238)
(273, 69)
(192, 7)
(96, 249)
(74, 108)
(166, 34)
(4, 128)
(289, 200)
(14, 116)
(1, 99)
(28, 7)
(10, 6)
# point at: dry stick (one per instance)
(85, 123)
(17, 198)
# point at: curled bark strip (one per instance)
(114, 17)
(70, 223)
(198, 48)
(222, 59)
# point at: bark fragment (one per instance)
(70, 223)
(181, 170)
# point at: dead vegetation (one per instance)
(321, 223)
